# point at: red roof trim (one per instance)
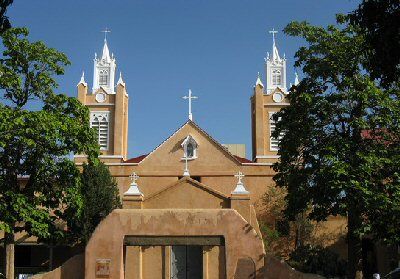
(243, 160)
(136, 159)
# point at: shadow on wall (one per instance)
(74, 268)
(278, 269)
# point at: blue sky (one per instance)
(163, 48)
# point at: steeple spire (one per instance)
(275, 53)
(275, 67)
(296, 79)
(104, 69)
(106, 52)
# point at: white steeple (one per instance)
(275, 67)
(104, 69)
(106, 52)
(296, 79)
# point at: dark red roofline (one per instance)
(141, 157)
(136, 159)
(243, 160)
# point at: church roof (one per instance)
(195, 183)
(237, 159)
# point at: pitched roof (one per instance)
(194, 183)
(223, 149)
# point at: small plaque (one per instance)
(103, 268)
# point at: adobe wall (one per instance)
(241, 240)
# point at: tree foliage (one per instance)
(4, 21)
(340, 149)
(378, 21)
(100, 196)
(39, 130)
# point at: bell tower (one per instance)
(108, 105)
(266, 101)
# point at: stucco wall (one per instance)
(107, 241)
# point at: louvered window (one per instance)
(276, 77)
(100, 122)
(103, 77)
(274, 142)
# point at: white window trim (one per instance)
(106, 115)
(186, 141)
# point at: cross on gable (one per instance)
(134, 177)
(190, 98)
(239, 176)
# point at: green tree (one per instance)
(340, 149)
(4, 21)
(378, 21)
(100, 196)
(39, 130)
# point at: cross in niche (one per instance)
(190, 98)
(273, 32)
(134, 177)
(105, 31)
(239, 176)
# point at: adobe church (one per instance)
(189, 205)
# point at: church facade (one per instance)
(189, 206)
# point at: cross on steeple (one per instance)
(134, 177)
(190, 97)
(239, 176)
(105, 31)
(273, 32)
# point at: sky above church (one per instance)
(163, 48)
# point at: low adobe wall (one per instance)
(241, 240)
(74, 268)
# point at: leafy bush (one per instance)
(319, 260)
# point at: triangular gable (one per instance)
(194, 183)
(201, 131)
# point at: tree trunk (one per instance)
(10, 252)
(354, 247)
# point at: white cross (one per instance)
(239, 176)
(186, 170)
(105, 31)
(190, 97)
(134, 177)
(273, 32)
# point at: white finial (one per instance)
(82, 81)
(190, 97)
(186, 170)
(95, 55)
(120, 80)
(259, 82)
(296, 79)
(240, 189)
(133, 188)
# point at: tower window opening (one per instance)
(276, 77)
(100, 123)
(103, 77)
(274, 142)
